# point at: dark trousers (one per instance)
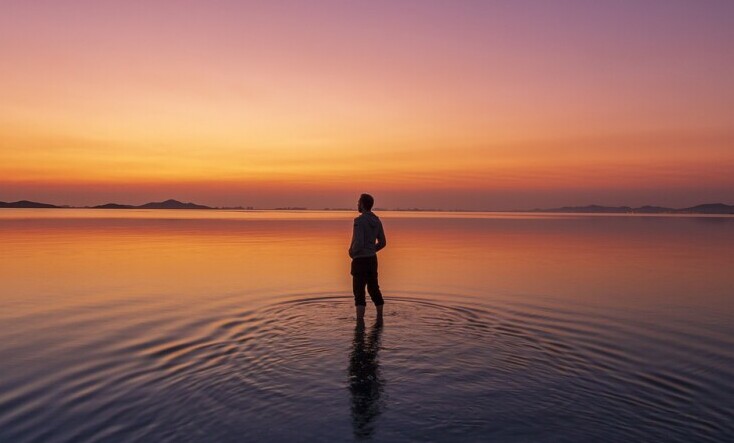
(364, 273)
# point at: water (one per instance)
(239, 326)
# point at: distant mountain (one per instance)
(172, 204)
(710, 208)
(26, 204)
(168, 204)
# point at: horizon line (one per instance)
(196, 206)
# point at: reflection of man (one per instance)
(365, 384)
(368, 237)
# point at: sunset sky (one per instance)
(446, 104)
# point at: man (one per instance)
(368, 237)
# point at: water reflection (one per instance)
(365, 382)
(561, 328)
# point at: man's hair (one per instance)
(367, 201)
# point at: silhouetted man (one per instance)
(368, 237)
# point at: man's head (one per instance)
(365, 203)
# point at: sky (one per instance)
(483, 105)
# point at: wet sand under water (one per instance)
(152, 326)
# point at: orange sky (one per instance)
(425, 104)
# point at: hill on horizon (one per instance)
(26, 204)
(168, 204)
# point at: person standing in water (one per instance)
(368, 237)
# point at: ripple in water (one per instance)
(301, 370)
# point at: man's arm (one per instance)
(381, 241)
(357, 239)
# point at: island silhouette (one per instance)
(168, 204)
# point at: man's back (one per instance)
(368, 236)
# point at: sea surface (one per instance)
(230, 326)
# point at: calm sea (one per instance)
(125, 325)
